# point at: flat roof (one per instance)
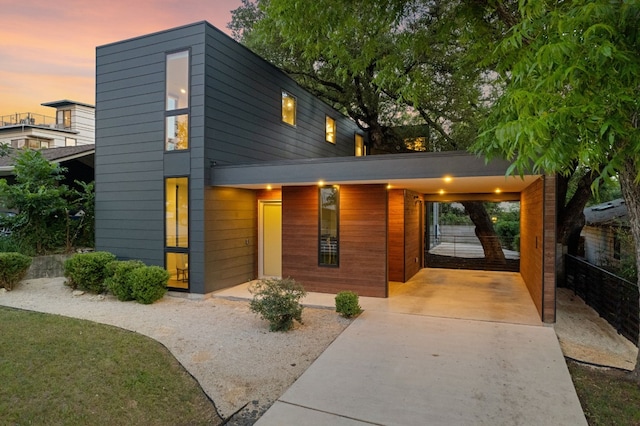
(64, 103)
(451, 172)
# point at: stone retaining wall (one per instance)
(47, 266)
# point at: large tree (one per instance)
(571, 74)
(389, 65)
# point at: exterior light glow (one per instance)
(441, 192)
(320, 183)
(448, 179)
(268, 187)
(498, 191)
(388, 186)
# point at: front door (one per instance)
(270, 240)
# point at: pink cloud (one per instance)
(47, 48)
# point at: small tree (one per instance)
(39, 197)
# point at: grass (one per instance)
(61, 370)
(608, 397)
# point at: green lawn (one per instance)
(59, 370)
(608, 397)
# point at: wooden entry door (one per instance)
(270, 256)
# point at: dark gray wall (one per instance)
(235, 117)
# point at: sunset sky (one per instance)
(47, 48)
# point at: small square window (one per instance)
(288, 108)
(330, 130)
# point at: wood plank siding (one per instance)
(549, 268)
(531, 240)
(362, 240)
(405, 234)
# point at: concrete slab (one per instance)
(479, 295)
(399, 369)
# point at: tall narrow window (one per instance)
(177, 231)
(329, 216)
(177, 211)
(178, 80)
(330, 130)
(360, 148)
(177, 102)
(288, 108)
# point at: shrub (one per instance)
(13, 268)
(347, 304)
(88, 271)
(148, 283)
(278, 301)
(118, 281)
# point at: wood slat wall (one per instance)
(230, 237)
(549, 259)
(362, 239)
(531, 240)
(413, 234)
(396, 235)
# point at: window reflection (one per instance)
(177, 132)
(329, 216)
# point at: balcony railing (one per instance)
(29, 118)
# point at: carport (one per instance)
(383, 219)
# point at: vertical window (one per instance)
(177, 102)
(178, 80)
(63, 119)
(330, 130)
(360, 148)
(177, 212)
(329, 215)
(177, 231)
(288, 108)
(177, 132)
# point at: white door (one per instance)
(270, 256)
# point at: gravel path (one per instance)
(226, 347)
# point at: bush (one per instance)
(13, 268)
(148, 283)
(118, 281)
(347, 304)
(88, 271)
(278, 301)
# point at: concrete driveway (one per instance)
(445, 365)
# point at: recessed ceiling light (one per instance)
(441, 192)
(269, 187)
(448, 179)
(320, 183)
(498, 190)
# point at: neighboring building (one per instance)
(78, 160)
(216, 165)
(73, 124)
(605, 236)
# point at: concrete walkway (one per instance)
(417, 358)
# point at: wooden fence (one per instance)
(614, 298)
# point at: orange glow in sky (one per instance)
(47, 48)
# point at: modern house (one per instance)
(216, 165)
(73, 124)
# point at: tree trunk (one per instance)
(484, 231)
(631, 193)
(570, 212)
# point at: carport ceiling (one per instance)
(425, 173)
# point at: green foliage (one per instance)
(13, 268)
(148, 283)
(12, 244)
(384, 63)
(509, 233)
(347, 304)
(278, 301)
(118, 281)
(571, 77)
(88, 271)
(43, 204)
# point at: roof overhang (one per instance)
(435, 173)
